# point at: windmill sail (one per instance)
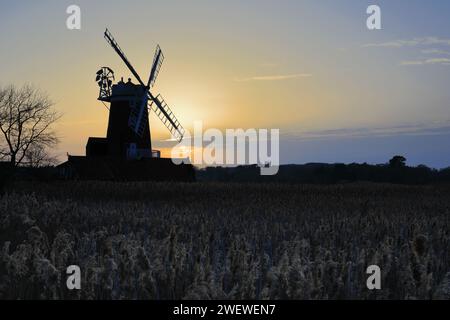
(138, 113)
(110, 39)
(165, 114)
(157, 62)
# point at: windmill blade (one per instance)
(110, 39)
(162, 110)
(157, 62)
(136, 117)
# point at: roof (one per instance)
(97, 139)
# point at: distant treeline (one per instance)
(321, 173)
(396, 171)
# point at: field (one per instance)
(224, 241)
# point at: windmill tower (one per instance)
(128, 134)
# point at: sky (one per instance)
(337, 91)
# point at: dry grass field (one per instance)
(224, 241)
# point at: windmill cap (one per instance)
(126, 89)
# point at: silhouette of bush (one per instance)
(397, 162)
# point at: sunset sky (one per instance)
(337, 91)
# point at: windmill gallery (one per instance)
(126, 151)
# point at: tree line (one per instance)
(395, 171)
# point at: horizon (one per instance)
(338, 92)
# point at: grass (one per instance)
(224, 241)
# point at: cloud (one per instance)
(416, 42)
(424, 41)
(412, 63)
(275, 77)
(438, 61)
(433, 128)
(441, 61)
(436, 51)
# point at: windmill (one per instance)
(126, 154)
(128, 126)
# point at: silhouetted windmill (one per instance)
(128, 126)
(126, 154)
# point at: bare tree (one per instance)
(26, 117)
(36, 156)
